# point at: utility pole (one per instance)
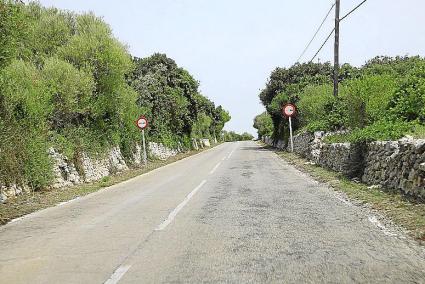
(336, 48)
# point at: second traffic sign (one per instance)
(289, 110)
(142, 122)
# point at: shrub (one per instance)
(320, 110)
(380, 100)
(381, 130)
(367, 99)
(264, 124)
(408, 102)
(24, 110)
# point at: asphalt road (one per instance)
(234, 214)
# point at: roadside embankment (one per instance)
(73, 181)
(390, 165)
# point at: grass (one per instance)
(419, 132)
(25, 204)
(409, 214)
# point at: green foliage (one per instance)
(381, 130)
(264, 124)
(71, 93)
(408, 102)
(284, 87)
(25, 108)
(12, 29)
(318, 108)
(382, 100)
(418, 131)
(67, 83)
(23, 95)
(231, 136)
(367, 99)
(47, 30)
(178, 110)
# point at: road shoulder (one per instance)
(394, 208)
(15, 208)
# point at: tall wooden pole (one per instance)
(336, 48)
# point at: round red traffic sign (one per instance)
(289, 110)
(142, 122)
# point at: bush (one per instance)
(67, 83)
(264, 124)
(320, 110)
(408, 102)
(23, 134)
(381, 130)
(381, 100)
(367, 99)
(71, 93)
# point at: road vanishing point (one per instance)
(236, 213)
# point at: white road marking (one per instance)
(344, 201)
(69, 201)
(215, 168)
(179, 207)
(378, 224)
(118, 274)
(37, 212)
(231, 153)
(17, 219)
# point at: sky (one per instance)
(231, 46)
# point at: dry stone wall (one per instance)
(91, 169)
(397, 165)
(159, 151)
(280, 144)
(65, 173)
(345, 158)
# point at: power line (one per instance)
(329, 36)
(315, 34)
(349, 13)
(320, 49)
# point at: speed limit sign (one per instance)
(142, 122)
(289, 110)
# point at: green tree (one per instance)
(12, 30)
(264, 124)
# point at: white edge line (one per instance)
(215, 168)
(100, 191)
(118, 274)
(344, 201)
(69, 201)
(179, 207)
(36, 212)
(378, 224)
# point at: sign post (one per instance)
(142, 123)
(290, 134)
(289, 110)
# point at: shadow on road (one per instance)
(258, 148)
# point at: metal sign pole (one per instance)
(145, 159)
(290, 134)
